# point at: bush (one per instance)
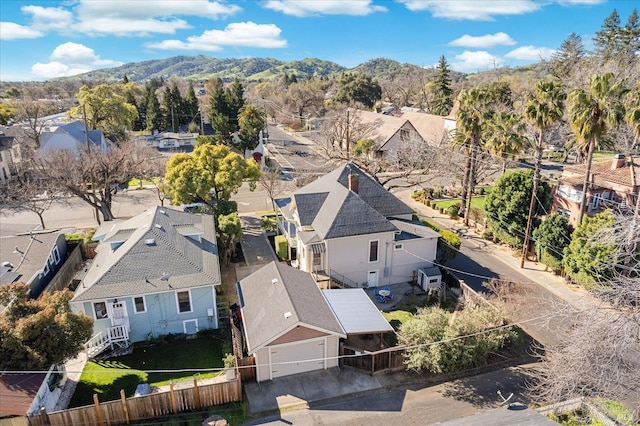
(448, 244)
(431, 225)
(282, 248)
(487, 235)
(453, 211)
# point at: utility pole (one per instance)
(525, 246)
(347, 138)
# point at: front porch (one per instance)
(114, 341)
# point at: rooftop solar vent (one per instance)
(287, 314)
(150, 242)
(274, 281)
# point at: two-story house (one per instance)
(71, 137)
(346, 228)
(614, 184)
(153, 274)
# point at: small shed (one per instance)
(430, 278)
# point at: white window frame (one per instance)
(95, 313)
(398, 246)
(178, 302)
(45, 270)
(54, 257)
(377, 259)
(135, 306)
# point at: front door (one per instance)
(119, 314)
(372, 278)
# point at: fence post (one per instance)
(196, 393)
(173, 397)
(123, 398)
(96, 403)
(45, 416)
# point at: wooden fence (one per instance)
(382, 361)
(246, 364)
(150, 406)
(63, 277)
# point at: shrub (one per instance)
(453, 211)
(282, 248)
(487, 235)
(448, 245)
(431, 225)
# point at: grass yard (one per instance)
(135, 183)
(107, 377)
(477, 202)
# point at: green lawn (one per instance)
(134, 183)
(107, 377)
(477, 202)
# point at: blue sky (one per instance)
(46, 39)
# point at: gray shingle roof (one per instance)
(266, 303)
(155, 247)
(27, 252)
(333, 211)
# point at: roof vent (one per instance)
(158, 226)
(163, 212)
(287, 315)
(150, 242)
(274, 281)
(7, 265)
(165, 276)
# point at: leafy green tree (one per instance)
(551, 237)
(504, 136)
(229, 235)
(590, 258)
(36, 333)
(8, 110)
(439, 345)
(211, 173)
(106, 109)
(508, 204)
(442, 92)
(251, 120)
(358, 87)
(592, 113)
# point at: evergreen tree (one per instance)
(631, 35)
(190, 105)
(153, 113)
(608, 40)
(443, 100)
(125, 79)
(234, 95)
(570, 53)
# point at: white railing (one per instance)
(100, 341)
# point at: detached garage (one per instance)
(288, 324)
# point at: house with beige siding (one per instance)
(346, 229)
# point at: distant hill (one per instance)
(203, 67)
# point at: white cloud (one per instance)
(13, 31)
(49, 18)
(125, 18)
(484, 41)
(303, 8)
(70, 59)
(530, 53)
(572, 2)
(474, 10)
(245, 34)
(479, 60)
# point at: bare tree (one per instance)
(28, 192)
(271, 181)
(91, 175)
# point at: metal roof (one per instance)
(356, 312)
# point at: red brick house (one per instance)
(614, 185)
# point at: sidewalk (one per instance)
(575, 296)
(73, 369)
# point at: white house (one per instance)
(71, 137)
(347, 228)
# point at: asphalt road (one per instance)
(412, 404)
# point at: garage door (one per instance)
(293, 359)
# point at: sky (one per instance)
(41, 39)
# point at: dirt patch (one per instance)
(229, 279)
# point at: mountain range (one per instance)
(203, 68)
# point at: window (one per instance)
(138, 305)
(100, 309)
(398, 246)
(44, 271)
(54, 257)
(433, 280)
(373, 250)
(317, 259)
(184, 301)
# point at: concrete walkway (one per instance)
(73, 369)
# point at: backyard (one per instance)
(167, 357)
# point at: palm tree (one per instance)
(591, 114)
(543, 108)
(504, 136)
(467, 137)
(633, 113)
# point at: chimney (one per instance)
(618, 161)
(353, 182)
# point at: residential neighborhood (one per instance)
(238, 241)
